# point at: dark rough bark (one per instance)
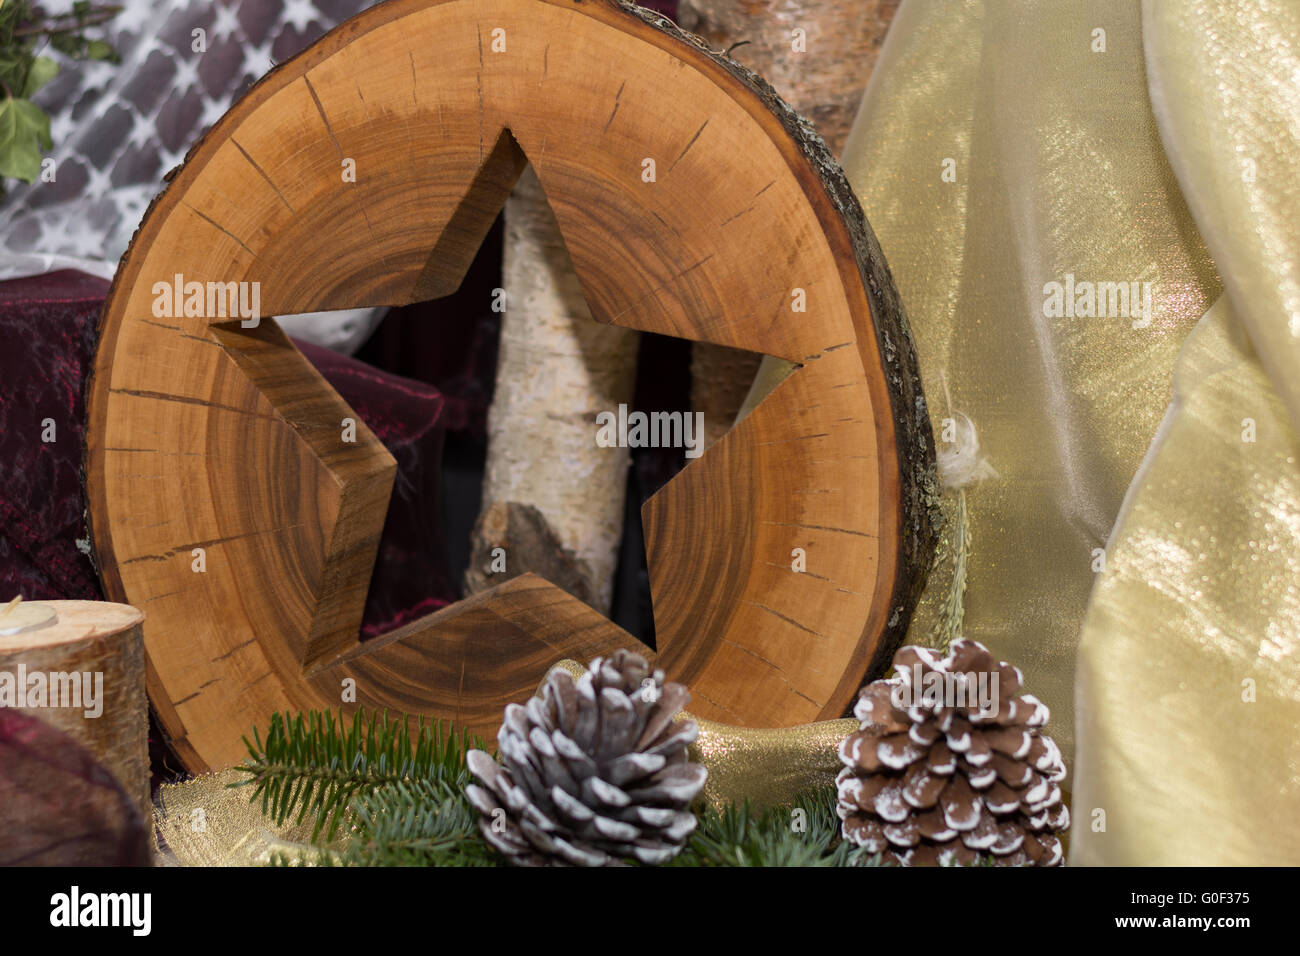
(530, 544)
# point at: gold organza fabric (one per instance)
(1189, 668)
(1071, 133)
(1057, 170)
(1189, 684)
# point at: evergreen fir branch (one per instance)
(420, 823)
(318, 857)
(807, 833)
(317, 764)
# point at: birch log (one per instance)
(556, 369)
(818, 55)
(79, 666)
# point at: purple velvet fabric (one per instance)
(47, 339)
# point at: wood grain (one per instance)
(203, 434)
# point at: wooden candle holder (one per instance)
(84, 673)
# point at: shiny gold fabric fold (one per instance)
(1225, 80)
(1189, 667)
(996, 152)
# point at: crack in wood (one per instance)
(181, 549)
(208, 219)
(819, 527)
(688, 146)
(338, 146)
(784, 441)
(262, 172)
(233, 650)
(161, 325)
(617, 97)
(659, 288)
(784, 567)
(776, 667)
(789, 620)
(188, 400)
(705, 697)
(478, 78)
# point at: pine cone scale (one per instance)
(942, 772)
(593, 772)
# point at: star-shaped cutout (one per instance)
(54, 233)
(133, 17)
(62, 126)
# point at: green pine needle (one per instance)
(804, 834)
(422, 823)
(317, 764)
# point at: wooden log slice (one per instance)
(205, 434)
(90, 660)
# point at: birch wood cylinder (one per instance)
(818, 55)
(556, 369)
(91, 666)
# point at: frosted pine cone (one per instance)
(596, 770)
(933, 778)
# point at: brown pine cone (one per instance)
(938, 780)
(596, 770)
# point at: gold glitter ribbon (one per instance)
(1189, 667)
(1003, 145)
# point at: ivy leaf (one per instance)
(99, 50)
(69, 44)
(24, 132)
(43, 70)
(13, 67)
